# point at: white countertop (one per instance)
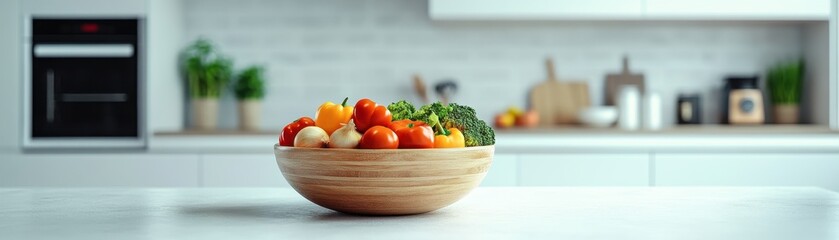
(487, 213)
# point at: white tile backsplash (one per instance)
(323, 50)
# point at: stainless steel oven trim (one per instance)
(84, 50)
(141, 141)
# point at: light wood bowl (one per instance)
(384, 182)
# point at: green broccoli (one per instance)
(475, 131)
(425, 112)
(401, 110)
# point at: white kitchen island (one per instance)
(487, 213)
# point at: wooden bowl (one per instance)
(384, 182)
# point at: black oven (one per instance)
(84, 83)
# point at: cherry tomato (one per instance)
(379, 137)
(290, 131)
(367, 114)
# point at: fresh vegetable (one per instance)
(311, 137)
(528, 119)
(453, 140)
(515, 111)
(368, 114)
(401, 110)
(505, 120)
(379, 137)
(441, 110)
(446, 138)
(330, 116)
(476, 132)
(345, 137)
(413, 134)
(291, 130)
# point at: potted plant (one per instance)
(250, 89)
(784, 82)
(207, 72)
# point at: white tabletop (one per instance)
(487, 213)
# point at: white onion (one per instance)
(345, 137)
(311, 137)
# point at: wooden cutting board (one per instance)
(558, 102)
(614, 82)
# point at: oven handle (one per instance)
(94, 97)
(83, 50)
(50, 95)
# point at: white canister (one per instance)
(652, 111)
(629, 106)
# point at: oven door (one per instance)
(83, 83)
(84, 90)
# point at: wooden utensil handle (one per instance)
(549, 64)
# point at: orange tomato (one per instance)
(379, 137)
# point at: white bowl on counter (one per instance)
(600, 116)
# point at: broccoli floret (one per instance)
(475, 131)
(425, 112)
(401, 110)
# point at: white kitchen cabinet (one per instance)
(748, 169)
(241, 170)
(584, 169)
(503, 172)
(533, 9)
(738, 9)
(99, 170)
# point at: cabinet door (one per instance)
(503, 172)
(739, 9)
(241, 170)
(584, 169)
(99, 170)
(735, 169)
(533, 9)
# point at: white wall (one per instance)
(817, 81)
(165, 88)
(10, 75)
(324, 50)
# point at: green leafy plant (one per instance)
(207, 72)
(784, 82)
(250, 84)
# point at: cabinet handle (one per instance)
(50, 96)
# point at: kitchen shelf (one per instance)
(706, 129)
(565, 139)
(220, 132)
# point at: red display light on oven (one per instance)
(90, 28)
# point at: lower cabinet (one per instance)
(584, 169)
(241, 170)
(748, 169)
(99, 170)
(503, 172)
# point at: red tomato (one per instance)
(367, 114)
(379, 137)
(290, 131)
(413, 134)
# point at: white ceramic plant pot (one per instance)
(250, 112)
(205, 113)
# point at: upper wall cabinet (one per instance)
(738, 9)
(534, 9)
(780, 10)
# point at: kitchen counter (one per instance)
(700, 138)
(487, 213)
